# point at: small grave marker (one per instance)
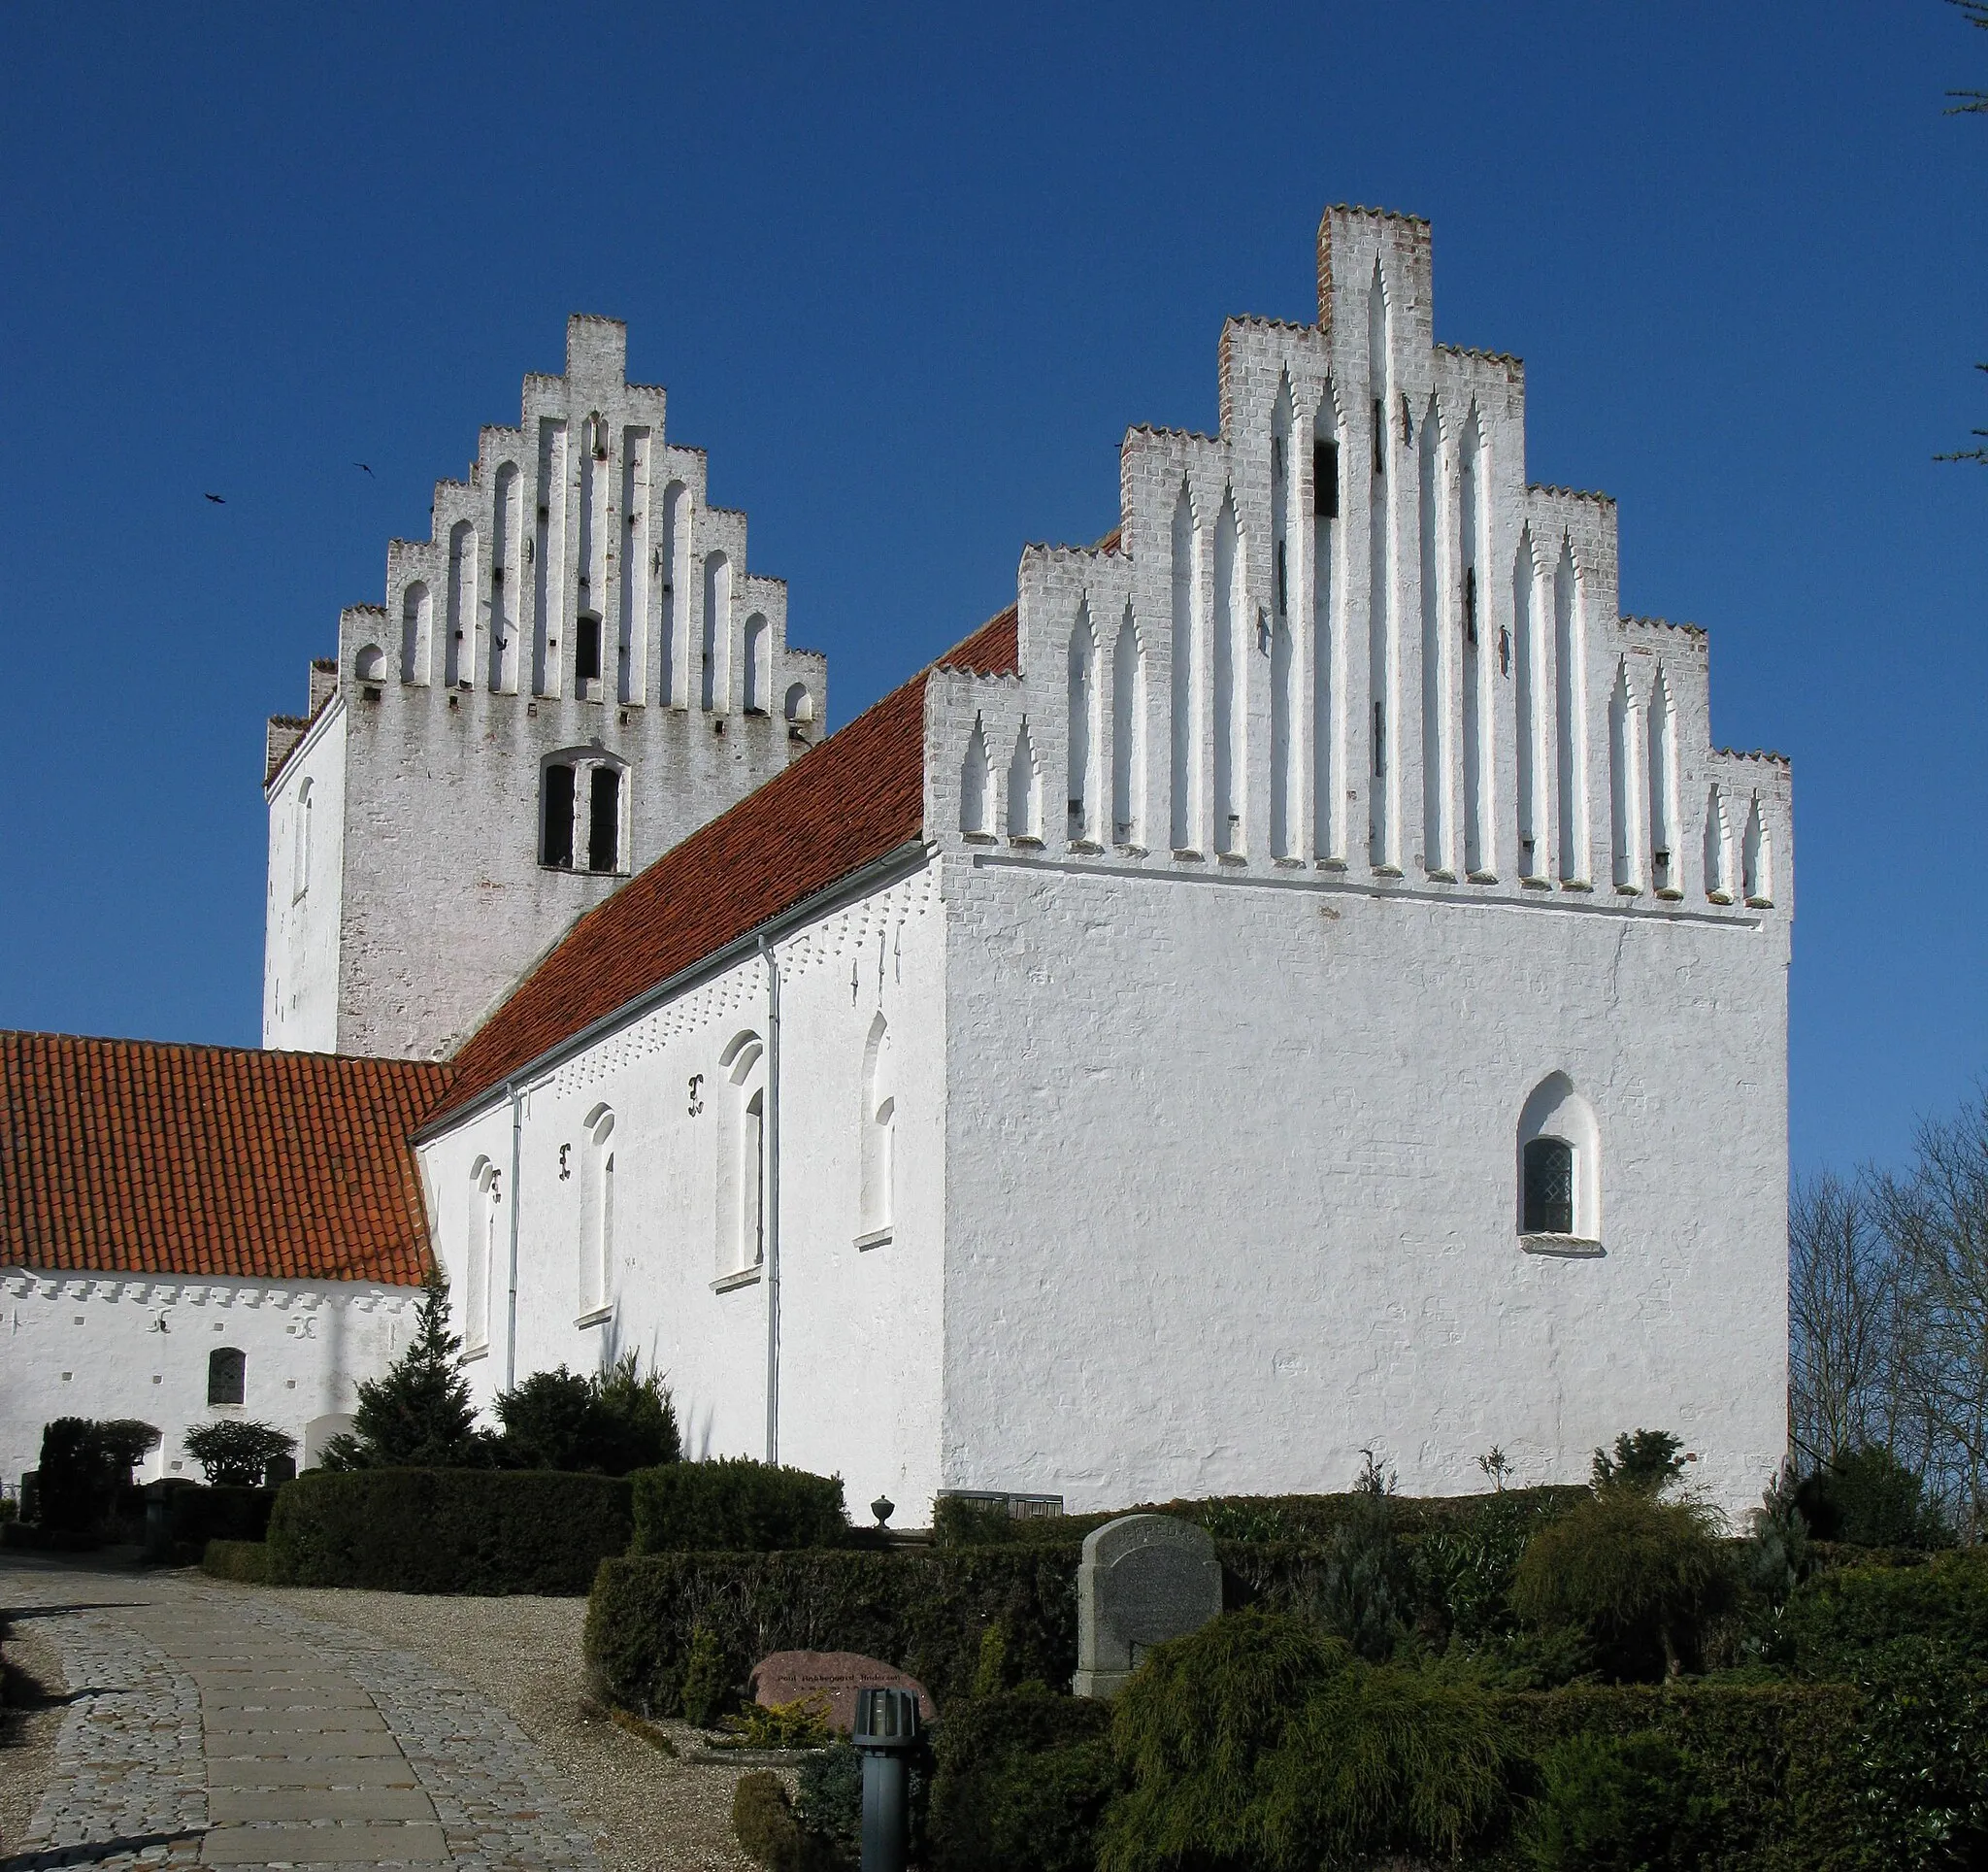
(1145, 1578)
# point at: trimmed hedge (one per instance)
(1021, 1782)
(1838, 1624)
(196, 1515)
(923, 1611)
(733, 1505)
(483, 1531)
(246, 1562)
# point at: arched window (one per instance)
(1082, 780)
(596, 1248)
(876, 1117)
(1025, 789)
(1626, 791)
(370, 664)
(1666, 870)
(1571, 717)
(603, 819)
(460, 652)
(506, 550)
(742, 1157)
(577, 779)
(478, 1254)
(976, 786)
(228, 1376)
(758, 665)
(1718, 848)
(300, 842)
(717, 632)
(1559, 1170)
(1128, 735)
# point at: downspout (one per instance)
(773, 1201)
(511, 1307)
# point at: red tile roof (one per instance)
(133, 1156)
(853, 799)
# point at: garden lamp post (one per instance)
(885, 1734)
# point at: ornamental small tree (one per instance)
(236, 1454)
(419, 1415)
(85, 1464)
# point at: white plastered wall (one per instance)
(859, 1363)
(299, 973)
(110, 1345)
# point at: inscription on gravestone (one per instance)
(1145, 1578)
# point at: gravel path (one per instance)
(224, 1723)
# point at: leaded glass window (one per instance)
(1549, 1186)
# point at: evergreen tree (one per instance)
(419, 1415)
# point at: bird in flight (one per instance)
(219, 500)
(361, 465)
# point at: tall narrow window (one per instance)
(1559, 1170)
(604, 820)
(1665, 872)
(1718, 848)
(742, 1160)
(548, 558)
(637, 564)
(1328, 681)
(1757, 860)
(1025, 789)
(1532, 764)
(758, 664)
(587, 656)
(1625, 783)
(555, 817)
(1185, 653)
(417, 631)
(1437, 662)
(1381, 811)
(479, 1243)
(1285, 661)
(673, 554)
(228, 1376)
(976, 786)
(717, 632)
(877, 1116)
(1128, 735)
(1475, 676)
(300, 842)
(596, 1246)
(1081, 779)
(1570, 678)
(507, 550)
(1229, 646)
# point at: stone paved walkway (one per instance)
(209, 1729)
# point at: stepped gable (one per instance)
(850, 801)
(138, 1157)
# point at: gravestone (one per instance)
(1145, 1578)
(833, 1678)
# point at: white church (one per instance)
(1300, 980)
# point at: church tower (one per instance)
(571, 674)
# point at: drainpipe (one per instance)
(511, 1306)
(773, 1201)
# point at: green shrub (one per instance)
(919, 1610)
(85, 1464)
(195, 1515)
(1649, 1461)
(707, 1691)
(420, 1413)
(245, 1560)
(768, 1832)
(802, 1724)
(828, 1805)
(1640, 1578)
(1841, 1624)
(1868, 1498)
(237, 1453)
(448, 1530)
(1021, 1782)
(1259, 1741)
(607, 1422)
(736, 1505)
(1617, 1804)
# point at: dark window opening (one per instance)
(555, 839)
(586, 653)
(1277, 457)
(1325, 480)
(1471, 605)
(1380, 742)
(604, 821)
(1379, 439)
(228, 1376)
(1549, 1186)
(1282, 588)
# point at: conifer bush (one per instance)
(419, 1415)
(736, 1505)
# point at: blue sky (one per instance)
(910, 281)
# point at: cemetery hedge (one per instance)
(246, 1562)
(485, 1532)
(923, 1609)
(736, 1505)
(196, 1515)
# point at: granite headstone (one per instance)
(1145, 1578)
